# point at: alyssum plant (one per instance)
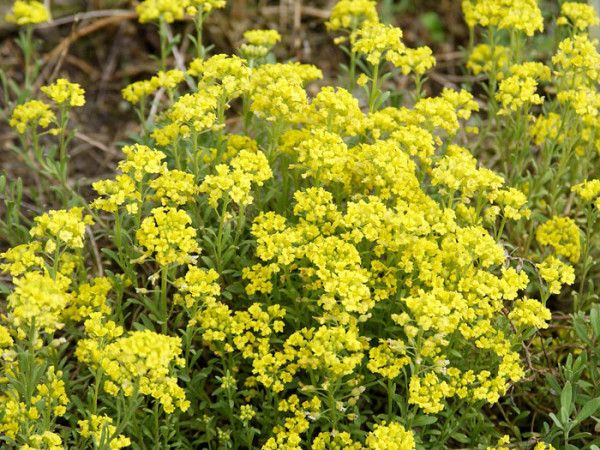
(287, 271)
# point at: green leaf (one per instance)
(582, 333)
(566, 402)
(461, 437)
(588, 409)
(595, 320)
(557, 422)
(553, 383)
(424, 420)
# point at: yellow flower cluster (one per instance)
(39, 299)
(167, 234)
(587, 190)
(351, 14)
(388, 437)
(141, 360)
(199, 286)
(580, 15)
(34, 113)
(62, 91)
(264, 38)
(139, 90)
(482, 60)
(118, 191)
(174, 186)
(531, 313)
(562, 233)
(26, 12)
(520, 88)
(334, 440)
(101, 430)
(577, 60)
(140, 161)
(21, 258)
(524, 15)
(46, 440)
(89, 299)
(376, 40)
(336, 111)
(230, 72)
(61, 227)
(233, 181)
(556, 273)
(171, 10)
(196, 110)
(48, 396)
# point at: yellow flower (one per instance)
(196, 110)
(265, 38)
(579, 14)
(231, 72)
(118, 191)
(337, 111)
(31, 114)
(137, 91)
(168, 10)
(481, 59)
(62, 91)
(22, 257)
(62, 227)
(378, 41)
(562, 233)
(531, 313)
(524, 15)
(141, 160)
(143, 357)
(174, 186)
(166, 234)
(103, 432)
(39, 297)
(587, 190)
(259, 277)
(417, 60)
(334, 440)
(350, 14)
(556, 273)
(199, 286)
(28, 12)
(520, 88)
(234, 182)
(390, 437)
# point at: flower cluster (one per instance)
(64, 92)
(26, 12)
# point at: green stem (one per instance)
(374, 88)
(163, 299)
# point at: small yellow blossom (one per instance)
(388, 437)
(102, 431)
(28, 12)
(580, 15)
(62, 227)
(562, 233)
(62, 91)
(350, 14)
(556, 273)
(34, 113)
(167, 234)
(587, 190)
(265, 38)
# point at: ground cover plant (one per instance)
(282, 263)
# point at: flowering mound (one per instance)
(286, 270)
